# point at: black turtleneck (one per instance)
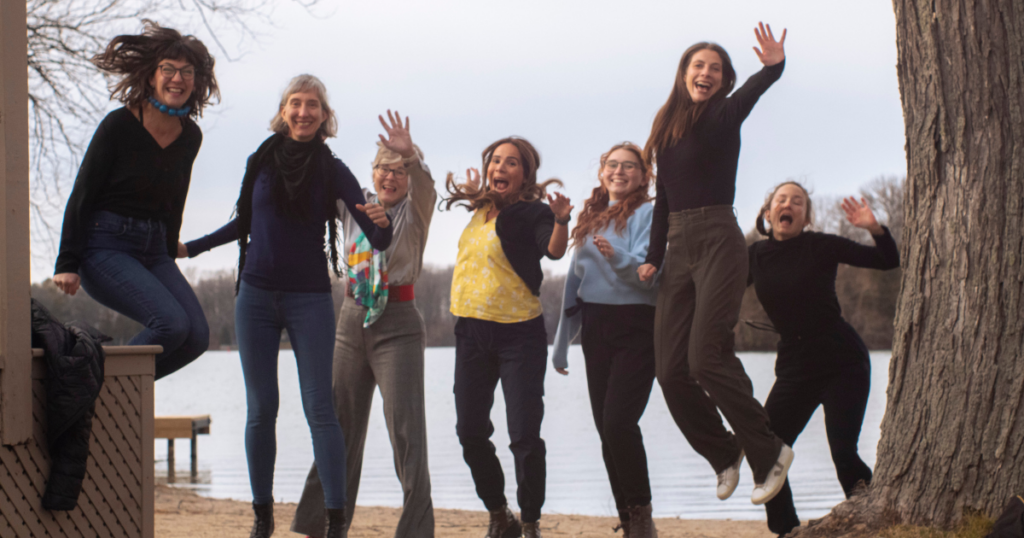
(795, 280)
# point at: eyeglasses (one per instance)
(187, 73)
(399, 173)
(627, 166)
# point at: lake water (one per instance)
(682, 482)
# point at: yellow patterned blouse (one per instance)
(484, 285)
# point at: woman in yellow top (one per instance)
(500, 332)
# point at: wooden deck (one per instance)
(117, 494)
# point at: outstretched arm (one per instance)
(771, 51)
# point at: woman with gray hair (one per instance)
(289, 192)
(380, 337)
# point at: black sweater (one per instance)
(524, 229)
(125, 171)
(700, 169)
(795, 280)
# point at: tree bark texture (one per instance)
(954, 423)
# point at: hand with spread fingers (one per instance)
(560, 205)
(399, 140)
(473, 179)
(376, 213)
(771, 51)
(860, 215)
(604, 247)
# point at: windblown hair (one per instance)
(474, 198)
(597, 214)
(759, 223)
(135, 59)
(679, 113)
(306, 83)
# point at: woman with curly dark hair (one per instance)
(121, 224)
(612, 310)
(499, 334)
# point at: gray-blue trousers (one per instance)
(388, 354)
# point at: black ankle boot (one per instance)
(640, 523)
(531, 529)
(504, 524)
(335, 522)
(263, 524)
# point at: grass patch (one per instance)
(972, 526)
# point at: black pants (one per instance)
(516, 354)
(618, 344)
(843, 392)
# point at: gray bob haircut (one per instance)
(306, 83)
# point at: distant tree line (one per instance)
(868, 297)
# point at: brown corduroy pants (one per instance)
(388, 354)
(702, 284)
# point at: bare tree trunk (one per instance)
(953, 430)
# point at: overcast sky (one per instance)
(572, 77)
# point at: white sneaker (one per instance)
(776, 478)
(729, 479)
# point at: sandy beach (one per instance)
(180, 513)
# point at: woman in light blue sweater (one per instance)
(606, 303)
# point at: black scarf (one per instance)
(295, 167)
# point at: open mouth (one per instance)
(786, 219)
(701, 85)
(500, 184)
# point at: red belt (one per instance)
(396, 294)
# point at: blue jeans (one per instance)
(126, 268)
(260, 316)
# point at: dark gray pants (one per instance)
(702, 285)
(388, 354)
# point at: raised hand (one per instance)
(860, 215)
(604, 247)
(399, 140)
(771, 51)
(376, 213)
(560, 205)
(646, 271)
(473, 178)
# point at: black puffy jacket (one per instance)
(74, 376)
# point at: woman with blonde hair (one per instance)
(289, 193)
(500, 335)
(612, 310)
(380, 338)
(122, 221)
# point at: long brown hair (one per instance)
(475, 198)
(679, 113)
(597, 214)
(759, 223)
(135, 59)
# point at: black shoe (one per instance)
(531, 529)
(335, 523)
(504, 524)
(640, 523)
(263, 525)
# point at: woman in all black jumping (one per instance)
(695, 141)
(821, 361)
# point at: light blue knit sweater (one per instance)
(595, 279)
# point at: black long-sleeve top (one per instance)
(287, 254)
(125, 171)
(795, 279)
(700, 169)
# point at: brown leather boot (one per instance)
(531, 529)
(640, 523)
(504, 524)
(263, 524)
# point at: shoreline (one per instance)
(181, 513)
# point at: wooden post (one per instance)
(15, 325)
